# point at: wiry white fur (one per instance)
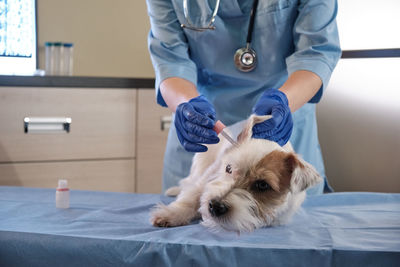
(208, 180)
(240, 220)
(285, 212)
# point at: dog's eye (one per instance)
(261, 186)
(228, 168)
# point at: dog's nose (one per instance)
(217, 208)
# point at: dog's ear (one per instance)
(247, 131)
(304, 175)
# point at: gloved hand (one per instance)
(194, 122)
(279, 127)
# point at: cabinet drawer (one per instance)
(103, 123)
(102, 175)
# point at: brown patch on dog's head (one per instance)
(270, 179)
(276, 168)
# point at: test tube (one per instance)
(58, 59)
(68, 58)
(49, 54)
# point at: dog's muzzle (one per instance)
(217, 208)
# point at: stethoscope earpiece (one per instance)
(245, 59)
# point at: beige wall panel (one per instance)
(110, 37)
(151, 142)
(103, 123)
(107, 175)
(359, 126)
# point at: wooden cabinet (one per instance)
(98, 153)
(152, 132)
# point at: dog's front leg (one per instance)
(185, 208)
(180, 212)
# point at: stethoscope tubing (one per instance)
(251, 23)
(245, 58)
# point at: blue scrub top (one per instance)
(288, 35)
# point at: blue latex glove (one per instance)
(194, 122)
(279, 127)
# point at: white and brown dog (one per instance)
(256, 184)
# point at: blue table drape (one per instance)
(113, 229)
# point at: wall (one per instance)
(358, 123)
(110, 37)
(358, 117)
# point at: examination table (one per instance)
(113, 229)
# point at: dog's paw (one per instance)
(165, 216)
(160, 221)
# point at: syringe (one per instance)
(219, 127)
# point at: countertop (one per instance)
(76, 81)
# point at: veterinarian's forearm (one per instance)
(300, 87)
(176, 91)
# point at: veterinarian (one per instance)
(226, 60)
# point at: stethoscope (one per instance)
(245, 58)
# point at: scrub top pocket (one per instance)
(274, 12)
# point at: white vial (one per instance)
(62, 195)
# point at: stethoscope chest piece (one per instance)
(245, 59)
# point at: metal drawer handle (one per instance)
(166, 122)
(47, 124)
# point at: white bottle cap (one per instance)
(62, 184)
